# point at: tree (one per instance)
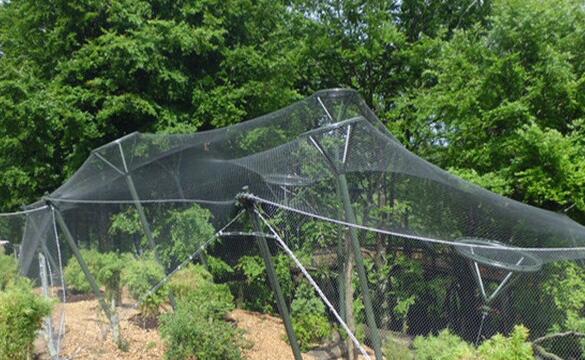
(502, 106)
(74, 76)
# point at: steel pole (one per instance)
(359, 261)
(273, 278)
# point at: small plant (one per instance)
(220, 270)
(21, 315)
(397, 349)
(197, 329)
(108, 272)
(74, 276)
(139, 276)
(184, 231)
(309, 318)
(188, 280)
(8, 269)
(444, 346)
(513, 347)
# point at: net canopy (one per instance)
(325, 162)
(290, 159)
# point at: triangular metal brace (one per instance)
(507, 281)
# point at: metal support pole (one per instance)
(359, 259)
(88, 275)
(141, 214)
(48, 320)
(273, 279)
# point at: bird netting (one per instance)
(388, 243)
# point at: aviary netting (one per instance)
(324, 183)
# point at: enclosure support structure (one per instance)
(88, 275)
(272, 277)
(48, 320)
(359, 260)
(136, 200)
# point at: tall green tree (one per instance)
(504, 106)
(76, 75)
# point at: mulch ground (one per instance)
(87, 336)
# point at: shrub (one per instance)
(21, 315)
(108, 272)
(139, 276)
(258, 295)
(183, 232)
(105, 267)
(220, 270)
(513, 347)
(447, 346)
(8, 269)
(190, 335)
(395, 349)
(444, 346)
(189, 280)
(197, 328)
(74, 276)
(309, 318)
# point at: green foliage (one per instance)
(257, 293)
(160, 67)
(506, 91)
(21, 315)
(565, 285)
(513, 347)
(105, 267)
(309, 317)
(197, 328)
(395, 349)
(8, 269)
(139, 276)
(188, 279)
(447, 346)
(444, 346)
(220, 270)
(183, 232)
(74, 276)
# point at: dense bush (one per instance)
(257, 294)
(183, 232)
(105, 267)
(513, 347)
(139, 276)
(8, 269)
(189, 280)
(197, 329)
(74, 276)
(21, 315)
(309, 317)
(447, 346)
(444, 346)
(394, 349)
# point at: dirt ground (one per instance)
(87, 336)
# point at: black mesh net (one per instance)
(382, 244)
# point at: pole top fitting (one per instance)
(244, 198)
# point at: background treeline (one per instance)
(493, 90)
